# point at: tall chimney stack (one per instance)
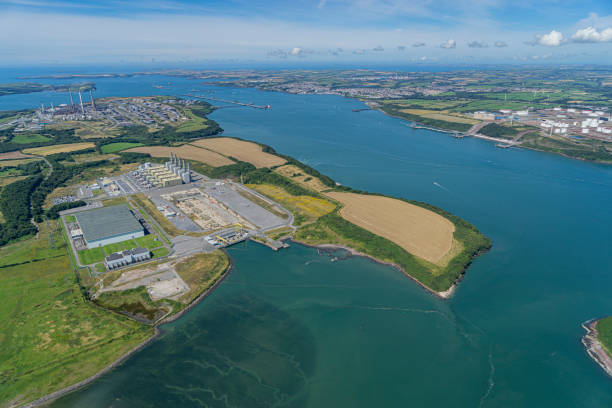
(81, 100)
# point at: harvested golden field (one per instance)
(304, 208)
(61, 148)
(441, 115)
(241, 150)
(16, 162)
(13, 155)
(298, 175)
(421, 232)
(185, 152)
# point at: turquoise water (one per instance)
(295, 329)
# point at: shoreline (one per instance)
(442, 295)
(164, 320)
(594, 348)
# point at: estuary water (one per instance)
(294, 329)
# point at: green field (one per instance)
(90, 256)
(604, 333)
(149, 241)
(25, 138)
(119, 146)
(194, 123)
(159, 252)
(119, 246)
(29, 250)
(50, 336)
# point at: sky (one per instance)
(305, 31)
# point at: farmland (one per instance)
(117, 147)
(241, 150)
(186, 152)
(421, 232)
(60, 148)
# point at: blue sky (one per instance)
(349, 31)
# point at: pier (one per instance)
(212, 98)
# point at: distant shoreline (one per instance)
(594, 348)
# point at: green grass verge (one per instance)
(149, 241)
(91, 256)
(200, 272)
(119, 246)
(195, 123)
(159, 252)
(50, 336)
(118, 146)
(70, 218)
(499, 131)
(604, 333)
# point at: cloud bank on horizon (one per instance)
(445, 31)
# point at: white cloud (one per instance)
(592, 35)
(500, 44)
(477, 44)
(552, 39)
(450, 44)
(296, 51)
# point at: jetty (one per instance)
(212, 98)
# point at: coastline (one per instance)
(594, 348)
(74, 387)
(442, 295)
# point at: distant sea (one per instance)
(294, 329)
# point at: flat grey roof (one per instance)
(107, 222)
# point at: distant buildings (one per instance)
(173, 173)
(483, 115)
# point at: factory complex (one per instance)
(106, 225)
(173, 173)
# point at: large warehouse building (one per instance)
(108, 225)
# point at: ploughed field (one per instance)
(419, 231)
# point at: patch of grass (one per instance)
(500, 131)
(200, 272)
(279, 232)
(49, 244)
(194, 123)
(50, 336)
(113, 201)
(159, 252)
(91, 256)
(70, 218)
(305, 208)
(118, 146)
(604, 333)
(119, 246)
(134, 302)
(149, 241)
(25, 138)
(100, 267)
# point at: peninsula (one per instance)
(125, 228)
(598, 342)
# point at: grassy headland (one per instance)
(604, 333)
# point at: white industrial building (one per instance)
(108, 225)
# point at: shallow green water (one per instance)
(295, 329)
